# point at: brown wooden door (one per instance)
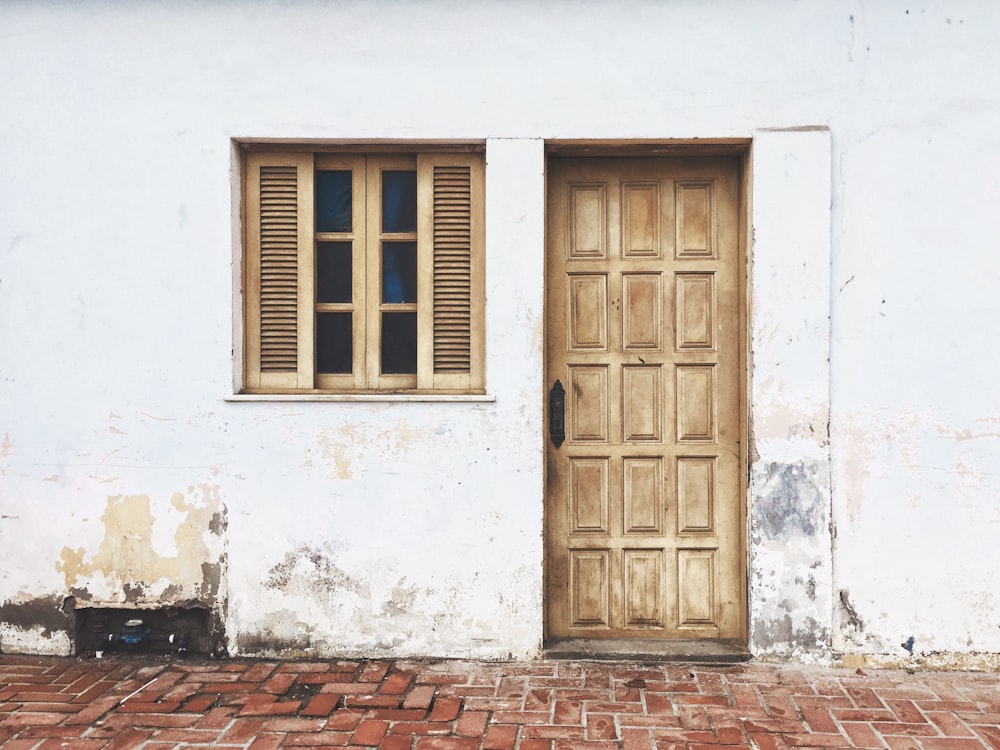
(644, 511)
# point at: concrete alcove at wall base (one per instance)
(169, 630)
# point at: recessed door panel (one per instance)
(642, 495)
(642, 303)
(588, 498)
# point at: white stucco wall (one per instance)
(415, 528)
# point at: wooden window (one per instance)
(363, 273)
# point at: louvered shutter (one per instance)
(450, 229)
(278, 288)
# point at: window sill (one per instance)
(365, 397)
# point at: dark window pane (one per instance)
(333, 201)
(333, 342)
(399, 343)
(399, 201)
(333, 272)
(399, 272)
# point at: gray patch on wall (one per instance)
(810, 635)
(787, 502)
(268, 643)
(848, 615)
(791, 512)
(310, 569)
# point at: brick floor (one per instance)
(123, 703)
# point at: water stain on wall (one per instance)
(803, 635)
(308, 570)
(279, 633)
(48, 614)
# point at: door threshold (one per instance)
(693, 651)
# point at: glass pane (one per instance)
(333, 272)
(399, 201)
(399, 343)
(333, 201)
(333, 342)
(399, 272)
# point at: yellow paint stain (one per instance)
(340, 447)
(126, 554)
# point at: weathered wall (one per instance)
(791, 570)
(128, 479)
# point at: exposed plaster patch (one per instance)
(6, 447)
(126, 568)
(134, 592)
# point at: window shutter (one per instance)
(278, 285)
(451, 237)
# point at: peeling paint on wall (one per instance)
(790, 560)
(127, 569)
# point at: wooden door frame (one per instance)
(739, 147)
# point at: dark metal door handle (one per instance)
(557, 414)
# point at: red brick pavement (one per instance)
(124, 703)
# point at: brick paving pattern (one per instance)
(124, 703)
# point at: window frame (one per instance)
(366, 163)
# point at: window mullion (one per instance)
(372, 269)
(306, 275)
(359, 249)
(425, 274)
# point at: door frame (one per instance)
(738, 147)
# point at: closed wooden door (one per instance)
(644, 509)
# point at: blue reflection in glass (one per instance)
(399, 201)
(399, 272)
(333, 201)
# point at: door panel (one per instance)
(644, 516)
